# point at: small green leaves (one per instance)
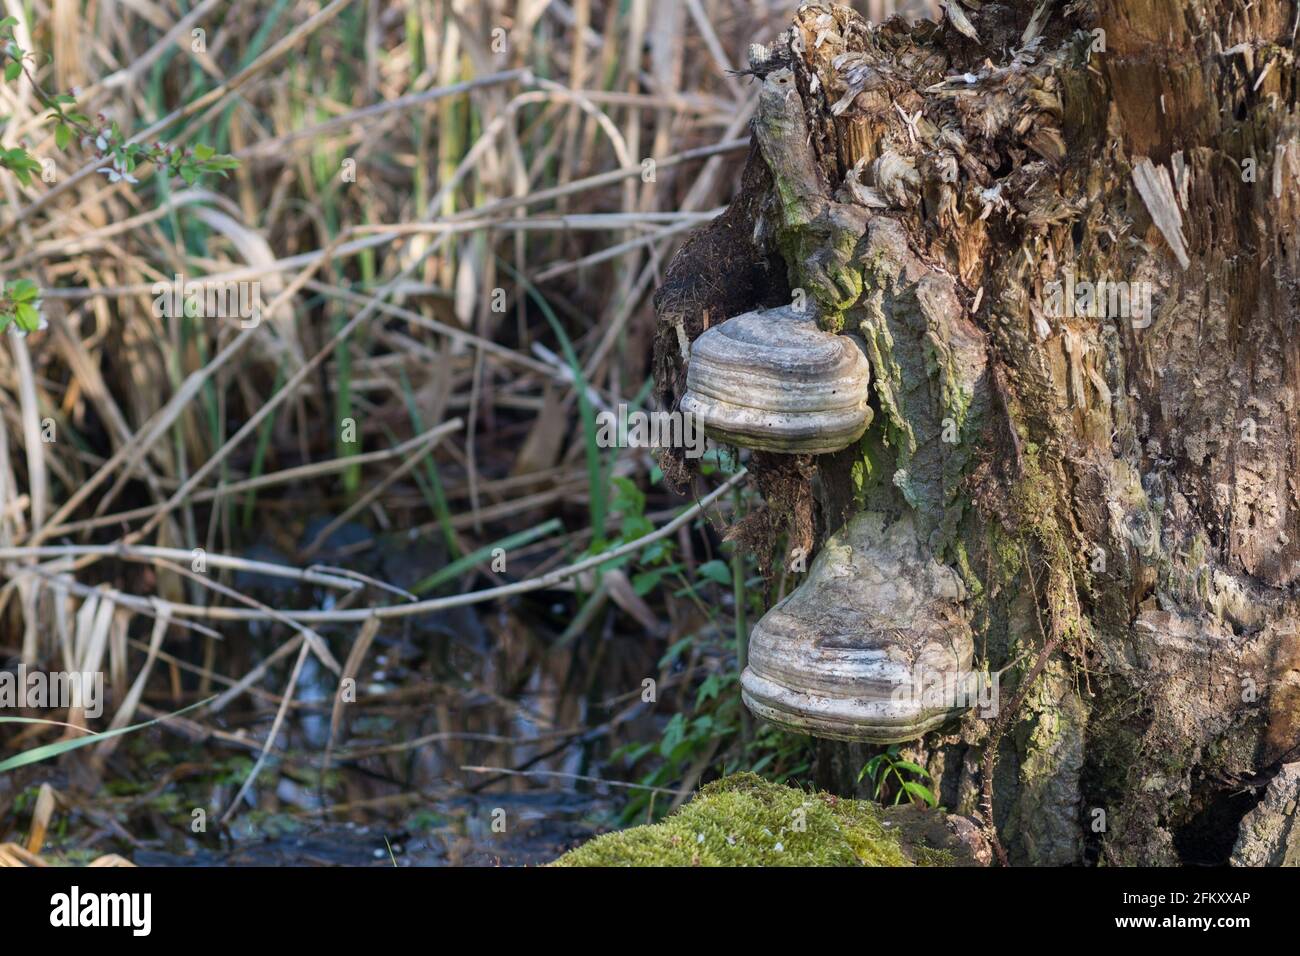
(29, 320)
(20, 298)
(21, 162)
(124, 157)
(11, 50)
(717, 571)
(912, 768)
(886, 770)
(915, 789)
(21, 304)
(121, 157)
(203, 159)
(22, 290)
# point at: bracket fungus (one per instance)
(771, 380)
(874, 646)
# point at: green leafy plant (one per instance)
(122, 158)
(710, 734)
(21, 303)
(705, 739)
(888, 772)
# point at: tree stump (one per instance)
(1067, 235)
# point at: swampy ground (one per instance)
(475, 738)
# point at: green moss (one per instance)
(974, 586)
(925, 856)
(819, 259)
(925, 371)
(744, 820)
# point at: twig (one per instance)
(442, 603)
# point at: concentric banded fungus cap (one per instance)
(772, 380)
(873, 646)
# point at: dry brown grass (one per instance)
(489, 140)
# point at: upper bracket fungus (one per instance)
(875, 645)
(772, 380)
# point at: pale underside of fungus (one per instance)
(875, 645)
(772, 380)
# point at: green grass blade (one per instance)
(457, 567)
(435, 494)
(37, 754)
(597, 486)
(259, 453)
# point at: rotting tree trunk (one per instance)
(1119, 489)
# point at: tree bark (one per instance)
(1116, 488)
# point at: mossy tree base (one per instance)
(744, 820)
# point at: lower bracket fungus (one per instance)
(874, 646)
